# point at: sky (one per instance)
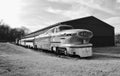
(37, 14)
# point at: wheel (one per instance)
(52, 49)
(65, 52)
(57, 50)
(61, 50)
(35, 47)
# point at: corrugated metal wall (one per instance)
(103, 32)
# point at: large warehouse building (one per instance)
(103, 32)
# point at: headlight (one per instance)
(85, 34)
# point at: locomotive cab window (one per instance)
(50, 31)
(62, 28)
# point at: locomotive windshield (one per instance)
(62, 28)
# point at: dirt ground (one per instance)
(19, 61)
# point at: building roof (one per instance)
(84, 20)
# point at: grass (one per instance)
(25, 62)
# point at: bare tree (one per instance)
(8, 34)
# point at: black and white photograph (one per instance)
(59, 37)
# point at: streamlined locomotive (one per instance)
(62, 39)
